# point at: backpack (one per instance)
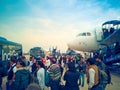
(104, 76)
(47, 78)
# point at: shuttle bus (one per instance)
(9, 48)
(37, 52)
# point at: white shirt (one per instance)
(41, 77)
(30, 66)
(91, 77)
(14, 68)
(47, 63)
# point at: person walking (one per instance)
(105, 77)
(11, 72)
(71, 77)
(82, 70)
(92, 75)
(2, 73)
(41, 74)
(22, 77)
(54, 74)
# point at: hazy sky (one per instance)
(48, 23)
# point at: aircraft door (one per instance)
(98, 34)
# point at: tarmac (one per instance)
(114, 86)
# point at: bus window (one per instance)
(36, 52)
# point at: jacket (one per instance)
(22, 80)
(71, 79)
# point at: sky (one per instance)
(48, 23)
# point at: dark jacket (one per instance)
(10, 73)
(34, 69)
(71, 79)
(2, 73)
(22, 80)
(0, 77)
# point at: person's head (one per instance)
(38, 58)
(23, 58)
(90, 61)
(32, 58)
(82, 59)
(71, 66)
(12, 60)
(33, 86)
(20, 64)
(47, 57)
(98, 59)
(53, 60)
(40, 64)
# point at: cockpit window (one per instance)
(84, 34)
(88, 34)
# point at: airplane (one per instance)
(85, 41)
(100, 39)
(106, 35)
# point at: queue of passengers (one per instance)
(70, 68)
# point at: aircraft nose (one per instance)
(70, 44)
(74, 45)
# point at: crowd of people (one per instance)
(51, 71)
